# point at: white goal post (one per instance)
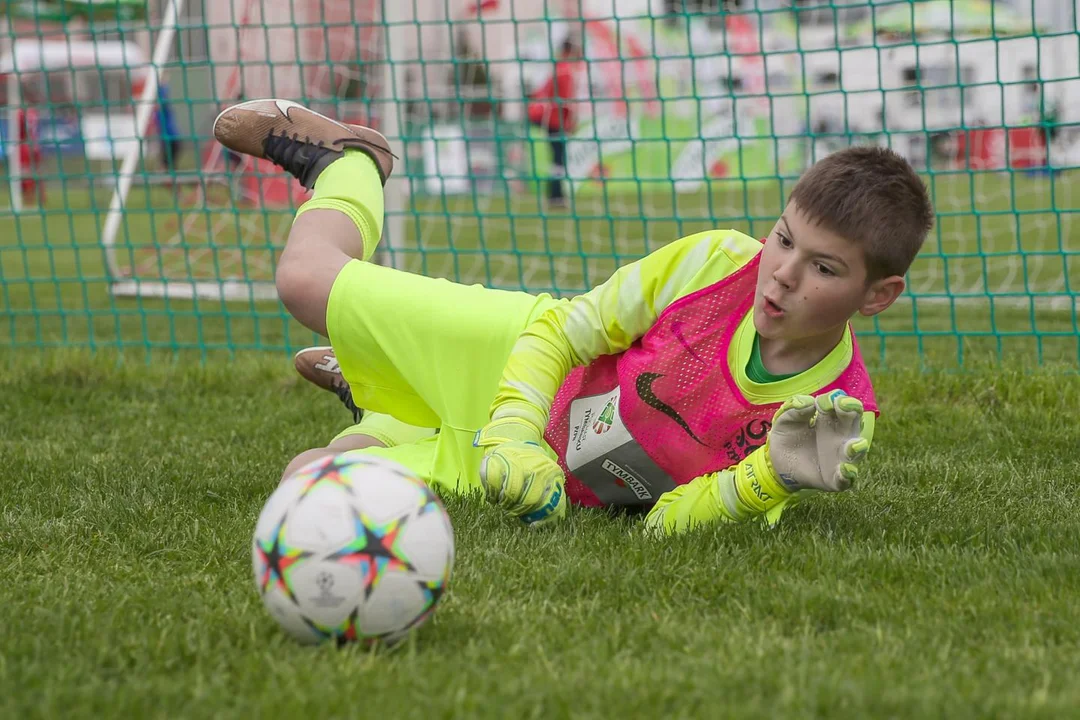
(144, 110)
(397, 28)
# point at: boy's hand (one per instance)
(518, 475)
(815, 443)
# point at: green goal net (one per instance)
(122, 224)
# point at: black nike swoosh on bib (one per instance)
(645, 392)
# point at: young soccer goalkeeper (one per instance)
(714, 380)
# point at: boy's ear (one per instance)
(881, 294)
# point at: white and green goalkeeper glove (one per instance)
(518, 475)
(814, 444)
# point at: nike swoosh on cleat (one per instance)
(284, 106)
(648, 396)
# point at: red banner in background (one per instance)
(1000, 148)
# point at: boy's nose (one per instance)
(784, 275)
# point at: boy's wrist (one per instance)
(757, 487)
(507, 429)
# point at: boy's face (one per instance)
(812, 281)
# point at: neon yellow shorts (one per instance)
(429, 353)
(387, 429)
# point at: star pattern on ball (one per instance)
(433, 590)
(428, 507)
(277, 557)
(330, 471)
(347, 632)
(429, 501)
(374, 549)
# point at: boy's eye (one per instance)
(784, 242)
(825, 269)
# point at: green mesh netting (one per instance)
(689, 116)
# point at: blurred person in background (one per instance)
(28, 122)
(550, 108)
(171, 143)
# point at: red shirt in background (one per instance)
(27, 122)
(550, 107)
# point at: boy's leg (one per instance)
(426, 351)
(375, 431)
(429, 352)
(335, 231)
(334, 447)
(558, 167)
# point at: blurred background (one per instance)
(542, 144)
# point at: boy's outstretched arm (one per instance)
(517, 474)
(815, 444)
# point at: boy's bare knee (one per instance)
(308, 456)
(314, 255)
(304, 280)
(340, 445)
(289, 281)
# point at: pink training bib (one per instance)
(630, 427)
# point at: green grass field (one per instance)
(944, 586)
(139, 439)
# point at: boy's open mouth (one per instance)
(772, 309)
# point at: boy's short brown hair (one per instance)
(871, 196)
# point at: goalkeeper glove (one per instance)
(518, 475)
(814, 444)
